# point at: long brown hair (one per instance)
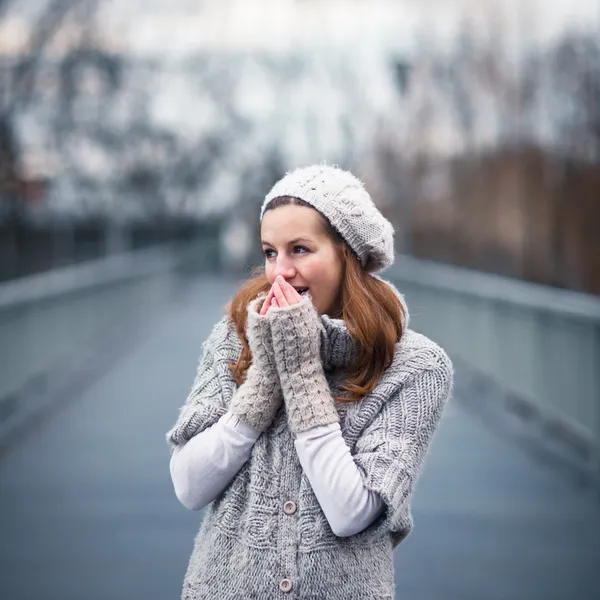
(371, 310)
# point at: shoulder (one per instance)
(416, 354)
(223, 339)
(419, 382)
(419, 349)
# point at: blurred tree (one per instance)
(460, 81)
(17, 91)
(18, 82)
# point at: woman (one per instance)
(312, 409)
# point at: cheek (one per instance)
(269, 272)
(320, 275)
(311, 273)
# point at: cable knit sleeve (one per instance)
(259, 398)
(296, 334)
(391, 451)
(212, 389)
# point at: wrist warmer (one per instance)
(258, 399)
(296, 332)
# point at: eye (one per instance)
(266, 252)
(298, 248)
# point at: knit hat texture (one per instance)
(342, 199)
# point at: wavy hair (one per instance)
(371, 310)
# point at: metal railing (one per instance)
(51, 319)
(540, 344)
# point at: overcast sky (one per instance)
(284, 23)
(177, 27)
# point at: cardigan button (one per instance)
(285, 585)
(289, 508)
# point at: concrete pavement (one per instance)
(87, 509)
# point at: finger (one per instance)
(274, 303)
(264, 308)
(290, 293)
(270, 299)
(267, 302)
(281, 300)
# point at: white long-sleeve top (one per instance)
(203, 467)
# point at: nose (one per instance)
(284, 267)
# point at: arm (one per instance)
(258, 399)
(210, 445)
(204, 466)
(296, 331)
(314, 421)
(211, 391)
(391, 451)
(214, 390)
(326, 460)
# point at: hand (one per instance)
(296, 336)
(258, 399)
(281, 294)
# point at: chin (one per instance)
(329, 312)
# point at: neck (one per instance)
(338, 347)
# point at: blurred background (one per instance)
(137, 142)
(475, 125)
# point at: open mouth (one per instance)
(301, 291)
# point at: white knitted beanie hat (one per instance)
(341, 198)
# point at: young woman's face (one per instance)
(297, 248)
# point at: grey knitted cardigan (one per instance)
(247, 544)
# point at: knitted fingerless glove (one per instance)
(296, 334)
(258, 399)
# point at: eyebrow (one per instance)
(291, 242)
